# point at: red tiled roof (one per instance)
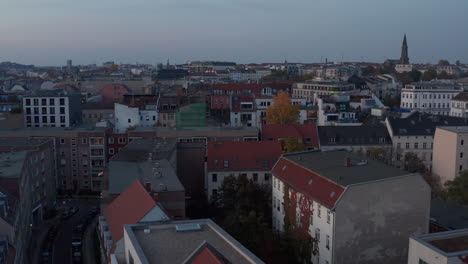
(278, 131)
(243, 155)
(128, 208)
(206, 256)
(308, 183)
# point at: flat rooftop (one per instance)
(22, 142)
(456, 129)
(450, 243)
(165, 245)
(11, 164)
(331, 165)
(159, 173)
(453, 244)
(140, 149)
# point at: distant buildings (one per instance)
(429, 97)
(193, 241)
(353, 209)
(450, 153)
(336, 110)
(247, 75)
(459, 105)
(444, 248)
(305, 133)
(52, 108)
(113, 92)
(312, 88)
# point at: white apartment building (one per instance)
(401, 68)
(450, 152)
(449, 247)
(459, 105)
(351, 208)
(311, 88)
(336, 110)
(53, 108)
(263, 102)
(126, 117)
(415, 134)
(429, 97)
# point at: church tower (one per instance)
(404, 52)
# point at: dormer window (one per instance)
(331, 140)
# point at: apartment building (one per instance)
(441, 248)
(459, 105)
(450, 152)
(52, 108)
(80, 154)
(432, 97)
(415, 134)
(27, 189)
(336, 110)
(354, 210)
(189, 241)
(311, 88)
(252, 159)
(305, 133)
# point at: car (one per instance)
(76, 257)
(76, 241)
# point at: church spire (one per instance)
(404, 52)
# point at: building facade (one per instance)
(310, 89)
(459, 105)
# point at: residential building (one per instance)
(191, 241)
(453, 70)
(248, 75)
(27, 189)
(459, 105)
(167, 109)
(450, 152)
(123, 211)
(402, 68)
(305, 134)
(263, 102)
(257, 89)
(353, 209)
(415, 134)
(336, 110)
(153, 162)
(128, 116)
(384, 85)
(252, 159)
(243, 111)
(113, 93)
(52, 108)
(432, 97)
(94, 112)
(442, 248)
(80, 153)
(358, 139)
(312, 88)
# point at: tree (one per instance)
(114, 68)
(414, 164)
(309, 76)
(429, 75)
(291, 144)
(443, 62)
(282, 111)
(457, 189)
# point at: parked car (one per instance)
(76, 256)
(76, 241)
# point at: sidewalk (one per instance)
(38, 237)
(89, 247)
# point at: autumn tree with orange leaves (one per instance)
(282, 111)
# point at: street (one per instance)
(62, 249)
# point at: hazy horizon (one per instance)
(48, 32)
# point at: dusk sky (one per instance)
(47, 32)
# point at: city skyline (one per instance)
(52, 31)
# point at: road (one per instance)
(62, 243)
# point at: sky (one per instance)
(48, 32)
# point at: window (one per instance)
(111, 151)
(424, 145)
(110, 140)
(267, 177)
(407, 145)
(462, 141)
(317, 234)
(327, 245)
(62, 141)
(416, 145)
(62, 101)
(255, 177)
(129, 120)
(274, 182)
(28, 101)
(215, 192)
(319, 208)
(84, 141)
(461, 154)
(226, 163)
(311, 219)
(331, 140)
(214, 177)
(460, 168)
(328, 216)
(122, 140)
(265, 163)
(398, 145)
(278, 207)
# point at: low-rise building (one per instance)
(441, 248)
(312, 88)
(432, 97)
(94, 112)
(193, 241)
(353, 209)
(358, 139)
(336, 110)
(252, 159)
(459, 105)
(450, 152)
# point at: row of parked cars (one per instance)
(46, 252)
(76, 245)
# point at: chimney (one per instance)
(148, 186)
(347, 162)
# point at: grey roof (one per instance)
(330, 164)
(449, 214)
(22, 142)
(11, 163)
(164, 245)
(419, 124)
(159, 173)
(139, 149)
(461, 97)
(353, 135)
(456, 129)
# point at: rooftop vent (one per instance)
(188, 227)
(147, 231)
(310, 181)
(332, 194)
